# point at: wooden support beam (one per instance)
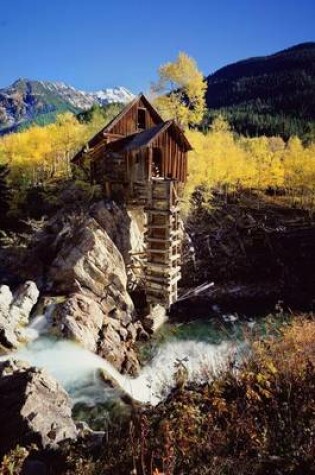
(170, 241)
(162, 211)
(150, 161)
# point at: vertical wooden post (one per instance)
(150, 161)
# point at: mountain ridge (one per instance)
(267, 95)
(26, 101)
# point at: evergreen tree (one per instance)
(4, 191)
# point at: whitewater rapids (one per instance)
(78, 370)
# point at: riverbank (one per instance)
(254, 418)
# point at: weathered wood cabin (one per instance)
(142, 160)
(133, 148)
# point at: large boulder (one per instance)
(90, 273)
(111, 335)
(124, 227)
(24, 300)
(15, 311)
(6, 299)
(89, 260)
(34, 408)
(79, 317)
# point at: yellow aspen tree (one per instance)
(181, 91)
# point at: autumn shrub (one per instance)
(12, 463)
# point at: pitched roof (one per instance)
(138, 140)
(145, 138)
(108, 127)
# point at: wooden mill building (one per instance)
(142, 160)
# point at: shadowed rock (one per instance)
(34, 408)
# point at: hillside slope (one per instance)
(272, 95)
(27, 101)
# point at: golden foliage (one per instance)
(12, 462)
(222, 161)
(39, 154)
(181, 88)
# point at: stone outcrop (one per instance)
(86, 262)
(34, 408)
(79, 317)
(89, 260)
(126, 229)
(15, 310)
(89, 273)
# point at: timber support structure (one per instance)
(163, 242)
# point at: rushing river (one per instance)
(202, 348)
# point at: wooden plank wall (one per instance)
(174, 158)
(129, 123)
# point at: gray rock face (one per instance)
(34, 408)
(15, 310)
(126, 230)
(87, 262)
(90, 260)
(24, 300)
(89, 270)
(80, 317)
(6, 299)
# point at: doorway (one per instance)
(157, 163)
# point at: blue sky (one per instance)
(93, 44)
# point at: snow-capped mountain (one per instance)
(111, 95)
(26, 100)
(84, 100)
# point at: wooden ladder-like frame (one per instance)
(163, 242)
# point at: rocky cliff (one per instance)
(82, 262)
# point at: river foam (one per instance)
(78, 370)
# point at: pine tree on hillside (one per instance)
(4, 191)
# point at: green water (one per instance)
(214, 331)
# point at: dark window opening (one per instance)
(141, 118)
(157, 162)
